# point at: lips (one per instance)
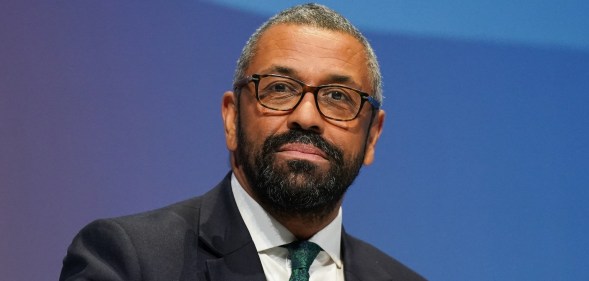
(302, 150)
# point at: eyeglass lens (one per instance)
(282, 93)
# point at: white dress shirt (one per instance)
(268, 235)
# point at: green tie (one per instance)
(302, 254)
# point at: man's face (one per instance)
(298, 161)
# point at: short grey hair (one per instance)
(314, 15)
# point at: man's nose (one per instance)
(306, 115)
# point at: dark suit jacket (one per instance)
(203, 238)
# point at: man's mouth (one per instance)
(302, 151)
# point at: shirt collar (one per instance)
(267, 232)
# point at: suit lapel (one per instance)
(243, 264)
(350, 264)
(223, 232)
(356, 264)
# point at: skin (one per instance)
(317, 57)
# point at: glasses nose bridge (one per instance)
(309, 89)
(314, 90)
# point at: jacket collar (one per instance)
(223, 232)
(354, 267)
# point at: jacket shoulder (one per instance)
(181, 214)
(152, 245)
(365, 262)
(134, 247)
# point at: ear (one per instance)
(229, 112)
(373, 135)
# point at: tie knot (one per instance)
(302, 254)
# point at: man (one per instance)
(295, 149)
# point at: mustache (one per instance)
(274, 142)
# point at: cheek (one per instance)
(258, 130)
(350, 136)
(260, 122)
(255, 128)
(355, 147)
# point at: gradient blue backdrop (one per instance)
(113, 107)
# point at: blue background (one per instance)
(113, 107)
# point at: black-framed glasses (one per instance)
(283, 93)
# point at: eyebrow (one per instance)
(341, 79)
(331, 79)
(344, 80)
(283, 70)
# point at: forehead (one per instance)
(311, 54)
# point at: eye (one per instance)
(280, 87)
(335, 100)
(277, 90)
(335, 95)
